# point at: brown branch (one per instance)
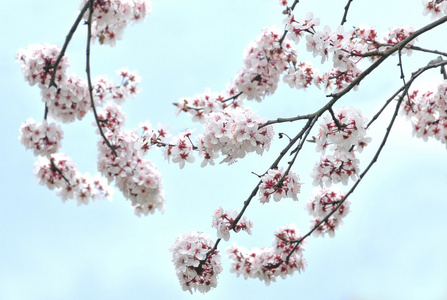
(343, 20)
(402, 74)
(64, 48)
(255, 190)
(89, 80)
(443, 72)
(308, 127)
(55, 169)
(283, 120)
(426, 50)
(441, 64)
(201, 108)
(372, 162)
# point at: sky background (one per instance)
(391, 247)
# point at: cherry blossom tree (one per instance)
(230, 129)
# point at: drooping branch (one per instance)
(89, 80)
(62, 53)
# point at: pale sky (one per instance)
(392, 245)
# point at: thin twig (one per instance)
(201, 108)
(402, 74)
(283, 120)
(55, 169)
(343, 20)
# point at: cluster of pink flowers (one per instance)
(297, 27)
(346, 136)
(339, 167)
(105, 89)
(180, 149)
(193, 271)
(289, 188)
(428, 113)
(436, 8)
(324, 202)
(349, 132)
(151, 137)
(136, 177)
(223, 222)
(67, 99)
(264, 61)
(38, 61)
(60, 173)
(233, 133)
(397, 35)
(110, 17)
(43, 138)
(270, 262)
(201, 105)
(301, 76)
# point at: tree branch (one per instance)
(89, 80)
(343, 20)
(372, 162)
(62, 53)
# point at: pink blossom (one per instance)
(324, 202)
(43, 138)
(223, 222)
(260, 263)
(289, 188)
(193, 271)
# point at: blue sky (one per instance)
(391, 247)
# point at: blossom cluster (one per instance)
(428, 113)
(233, 133)
(180, 149)
(201, 105)
(43, 138)
(223, 222)
(110, 17)
(344, 132)
(60, 173)
(195, 270)
(38, 63)
(289, 187)
(264, 61)
(436, 8)
(135, 176)
(325, 202)
(339, 167)
(268, 263)
(67, 97)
